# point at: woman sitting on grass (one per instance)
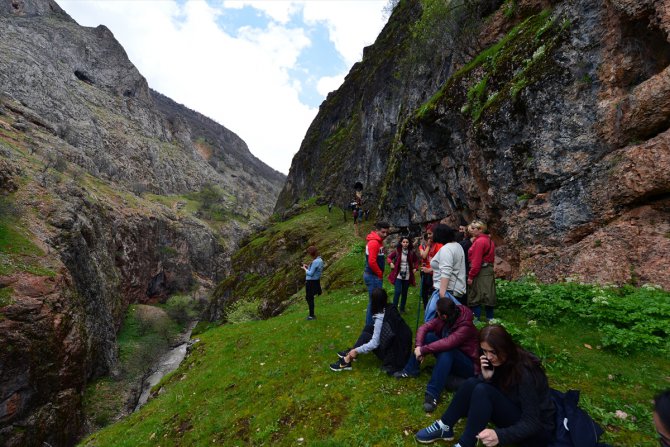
(512, 393)
(388, 337)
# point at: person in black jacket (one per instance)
(389, 338)
(512, 393)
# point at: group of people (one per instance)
(499, 388)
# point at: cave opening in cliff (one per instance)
(649, 46)
(83, 77)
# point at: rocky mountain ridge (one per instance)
(547, 119)
(111, 194)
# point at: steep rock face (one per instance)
(555, 132)
(88, 156)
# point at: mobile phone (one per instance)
(486, 363)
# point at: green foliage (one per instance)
(279, 250)
(629, 319)
(501, 71)
(243, 311)
(182, 309)
(6, 296)
(18, 253)
(267, 382)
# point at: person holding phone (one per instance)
(512, 392)
(312, 279)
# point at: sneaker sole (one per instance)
(433, 440)
(340, 369)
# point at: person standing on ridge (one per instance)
(375, 261)
(481, 278)
(312, 279)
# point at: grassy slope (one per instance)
(268, 382)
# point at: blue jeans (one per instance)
(372, 282)
(453, 362)
(431, 308)
(401, 288)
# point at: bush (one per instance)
(181, 309)
(243, 311)
(629, 319)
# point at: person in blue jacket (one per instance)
(312, 279)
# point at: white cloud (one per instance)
(241, 81)
(329, 83)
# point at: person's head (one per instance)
(405, 243)
(477, 227)
(443, 234)
(382, 229)
(662, 417)
(447, 311)
(378, 300)
(429, 232)
(497, 345)
(312, 251)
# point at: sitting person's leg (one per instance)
(449, 362)
(412, 368)
(487, 404)
(366, 336)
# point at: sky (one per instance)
(261, 68)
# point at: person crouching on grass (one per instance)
(390, 338)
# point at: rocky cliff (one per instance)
(111, 194)
(548, 119)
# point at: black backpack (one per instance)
(395, 344)
(574, 426)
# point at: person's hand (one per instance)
(469, 281)
(425, 269)
(392, 266)
(487, 368)
(417, 352)
(488, 437)
(352, 355)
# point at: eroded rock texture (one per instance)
(548, 119)
(88, 156)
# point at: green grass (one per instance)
(17, 252)
(143, 338)
(267, 382)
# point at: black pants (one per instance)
(312, 288)
(482, 403)
(426, 288)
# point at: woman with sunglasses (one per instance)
(512, 392)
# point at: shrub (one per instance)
(243, 311)
(628, 318)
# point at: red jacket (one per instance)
(396, 258)
(483, 250)
(463, 335)
(374, 255)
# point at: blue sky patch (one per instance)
(231, 20)
(316, 61)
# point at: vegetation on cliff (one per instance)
(267, 382)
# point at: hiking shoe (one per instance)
(429, 404)
(340, 365)
(435, 432)
(402, 374)
(310, 317)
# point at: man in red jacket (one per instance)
(375, 261)
(453, 339)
